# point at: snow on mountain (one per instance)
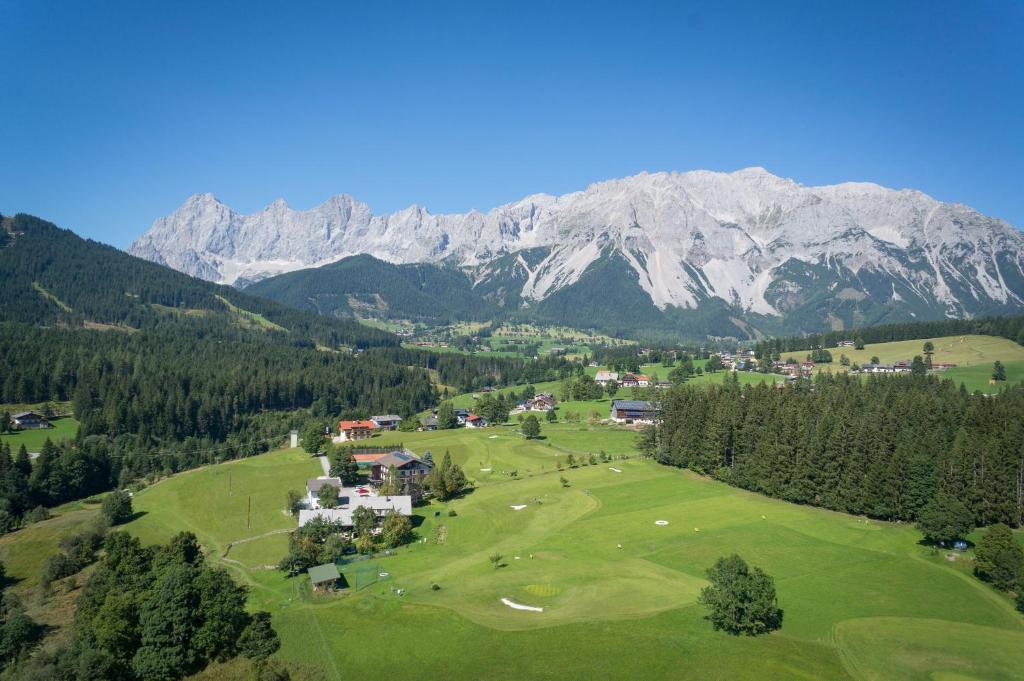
(749, 238)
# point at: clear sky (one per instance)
(113, 113)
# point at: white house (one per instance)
(604, 377)
(314, 486)
(351, 499)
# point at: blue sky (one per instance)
(112, 114)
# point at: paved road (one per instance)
(325, 464)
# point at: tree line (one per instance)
(884, 447)
(1011, 327)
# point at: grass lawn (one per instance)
(65, 427)
(862, 600)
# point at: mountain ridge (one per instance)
(765, 246)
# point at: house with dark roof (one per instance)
(633, 411)
(386, 421)
(428, 423)
(30, 420)
(410, 469)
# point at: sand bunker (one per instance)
(485, 470)
(661, 522)
(517, 606)
(493, 437)
(518, 507)
(615, 470)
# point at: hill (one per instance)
(740, 254)
(50, 276)
(844, 582)
(364, 286)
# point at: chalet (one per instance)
(30, 420)
(846, 344)
(634, 381)
(461, 415)
(633, 411)
(427, 423)
(605, 377)
(943, 366)
(411, 471)
(539, 402)
(386, 421)
(355, 430)
(314, 486)
(474, 421)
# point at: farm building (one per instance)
(604, 377)
(30, 420)
(324, 577)
(633, 411)
(428, 423)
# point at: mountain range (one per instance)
(699, 253)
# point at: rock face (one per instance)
(757, 244)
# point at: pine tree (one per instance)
(999, 559)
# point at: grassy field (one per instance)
(973, 355)
(63, 428)
(862, 600)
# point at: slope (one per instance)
(365, 286)
(49, 276)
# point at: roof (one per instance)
(314, 485)
(328, 572)
(28, 413)
(428, 421)
(397, 459)
(401, 503)
(474, 417)
(386, 417)
(348, 425)
(633, 405)
(606, 375)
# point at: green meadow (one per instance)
(64, 428)
(973, 355)
(862, 599)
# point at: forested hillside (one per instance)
(363, 285)
(49, 275)
(884, 447)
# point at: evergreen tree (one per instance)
(998, 371)
(929, 350)
(551, 416)
(999, 559)
(446, 416)
(345, 466)
(258, 640)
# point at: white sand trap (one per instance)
(614, 470)
(661, 522)
(518, 606)
(382, 574)
(518, 507)
(493, 437)
(485, 470)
